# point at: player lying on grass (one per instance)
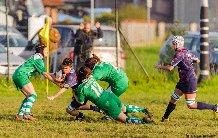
(68, 77)
(115, 77)
(107, 101)
(186, 86)
(30, 67)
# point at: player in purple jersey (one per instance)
(68, 79)
(186, 86)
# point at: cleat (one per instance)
(29, 117)
(96, 109)
(19, 117)
(164, 119)
(147, 120)
(80, 117)
(149, 114)
(216, 111)
(106, 117)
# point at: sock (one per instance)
(133, 109)
(95, 108)
(202, 106)
(169, 109)
(80, 116)
(134, 120)
(21, 109)
(29, 103)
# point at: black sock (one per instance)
(80, 116)
(95, 108)
(202, 106)
(91, 107)
(169, 109)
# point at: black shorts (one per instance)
(187, 87)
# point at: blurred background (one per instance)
(140, 23)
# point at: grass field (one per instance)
(154, 94)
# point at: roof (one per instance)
(52, 2)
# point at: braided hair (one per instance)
(90, 62)
(39, 48)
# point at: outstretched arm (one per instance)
(61, 91)
(167, 67)
(50, 78)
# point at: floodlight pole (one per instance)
(92, 12)
(7, 39)
(149, 5)
(204, 43)
(117, 32)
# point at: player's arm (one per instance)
(58, 76)
(167, 67)
(175, 61)
(60, 92)
(40, 67)
(195, 59)
(50, 78)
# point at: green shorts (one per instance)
(20, 80)
(110, 104)
(120, 86)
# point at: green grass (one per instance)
(154, 94)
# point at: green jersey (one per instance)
(104, 99)
(32, 65)
(88, 90)
(116, 77)
(29, 68)
(107, 72)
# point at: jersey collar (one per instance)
(40, 55)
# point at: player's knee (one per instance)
(191, 103)
(175, 96)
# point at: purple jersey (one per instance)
(70, 79)
(184, 60)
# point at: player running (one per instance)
(30, 67)
(107, 101)
(186, 86)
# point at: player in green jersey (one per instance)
(116, 77)
(89, 89)
(30, 67)
(68, 77)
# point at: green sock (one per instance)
(29, 103)
(134, 120)
(133, 109)
(21, 109)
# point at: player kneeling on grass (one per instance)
(107, 101)
(68, 77)
(187, 82)
(30, 67)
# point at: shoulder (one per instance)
(180, 53)
(37, 56)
